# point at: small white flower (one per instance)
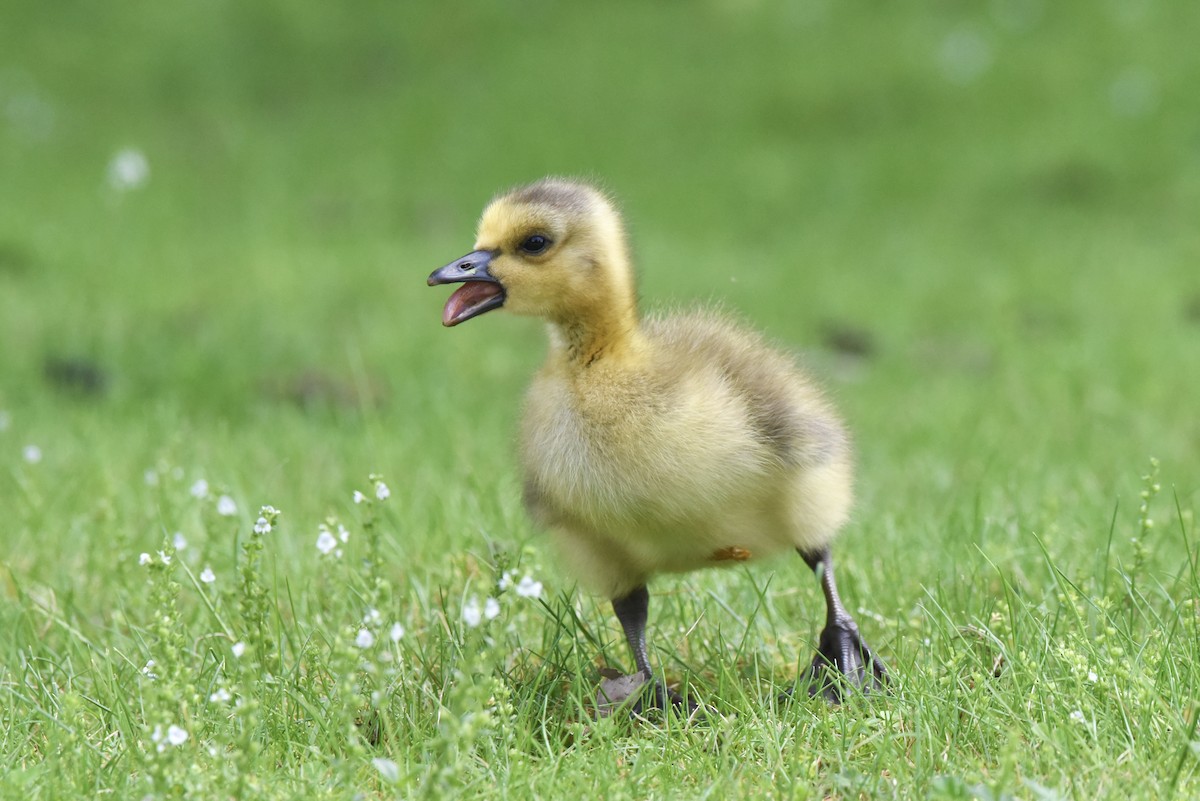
(1135, 92)
(157, 737)
(148, 670)
(964, 55)
(372, 617)
(397, 632)
(268, 511)
(1077, 716)
(389, 771)
(220, 696)
(32, 454)
(5, 421)
(166, 560)
(238, 649)
(150, 477)
(471, 613)
(262, 526)
(207, 576)
(176, 735)
(365, 639)
(505, 580)
(226, 506)
(326, 541)
(199, 489)
(1092, 677)
(528, 588)
(144, 559)
(381, 491)
(491, 608)
(359, 497)
(179, 541)
(343, 534)
(128, 169)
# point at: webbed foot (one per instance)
(844, 662)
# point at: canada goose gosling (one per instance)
(664, 444)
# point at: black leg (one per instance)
(632, 610)
(842, 657)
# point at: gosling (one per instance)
(659, 444)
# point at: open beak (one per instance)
(480, 291)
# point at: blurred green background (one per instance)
(976, 221)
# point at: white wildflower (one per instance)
(176, 735)
(207, 576)
(389, 771)
(220, 696)
(528, 588)
(199, 489)
(381, 491)
(359, 497)
(128, 169)
(343, 534)
(166, 560)
(150, 477)
(505, 581)
(179, 541)
(471, 613)
(1092, 677)
(1135, 92)
(238, 649)
(148, 670)
(1077, 716)
(226, 506)
(397, 632)
(365, 638)
(491, 608)
(372, 617)
(262, 526)
(144, 559)
(32, 454)
(326, 541)
(964, 55)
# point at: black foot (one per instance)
(844, 662)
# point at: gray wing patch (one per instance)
(796, 439)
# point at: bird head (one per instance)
(553, 249)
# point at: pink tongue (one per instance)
(467, 297)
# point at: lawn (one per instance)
(975, 222)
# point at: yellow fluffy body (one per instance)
(666, 444)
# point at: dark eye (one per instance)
(535, 244)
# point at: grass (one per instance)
(977, 224)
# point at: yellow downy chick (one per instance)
(664, 444)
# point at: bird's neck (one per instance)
(591, 336)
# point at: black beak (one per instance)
(471, 267)
(482, 291)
